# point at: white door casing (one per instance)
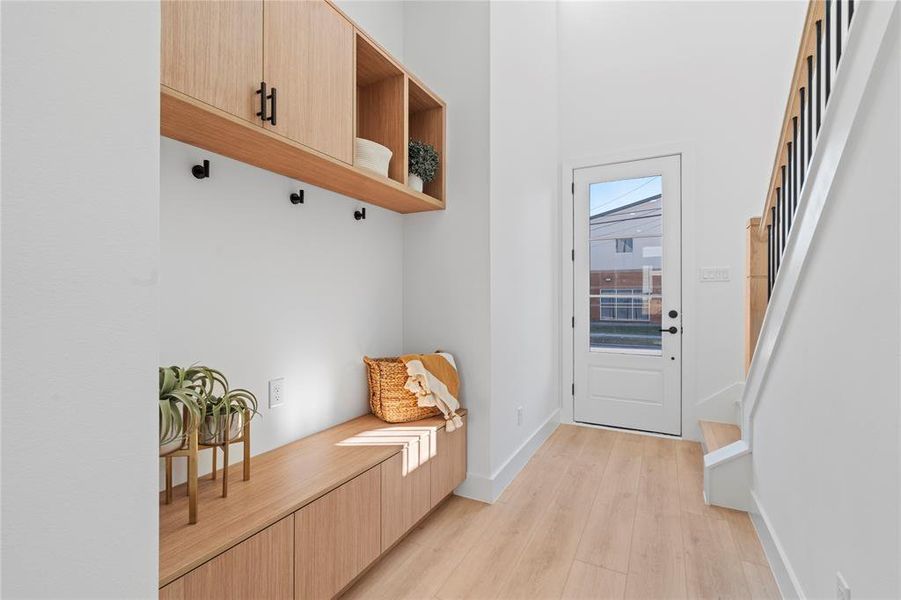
(627, 230)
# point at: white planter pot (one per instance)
(213, 431)
(171, 446)
(372, 156)
(414, 182)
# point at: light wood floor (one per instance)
(594, 514)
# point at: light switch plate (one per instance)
(277, 392)
(714, 274)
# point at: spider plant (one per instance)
(225, 410)
(183, 395)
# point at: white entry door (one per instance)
(627, 295)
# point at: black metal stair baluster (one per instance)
(769, 260)
(819, 73)
(809, 109)
(828, 52)
(775, 241)
(839, 31)
(786, 197)
(777, 226)
(796, 179)
(802, 156)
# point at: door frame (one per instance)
(689, 267)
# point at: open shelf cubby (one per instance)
(380, 104)
(426, 124)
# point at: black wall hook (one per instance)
(360, 214)
(297, 198)
(201, 171)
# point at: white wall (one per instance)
(301, 292)
(446, 269)
(523, 236)
(707, 79)
(383, 20)
(261, 288)
(826, 429)
(80, 199)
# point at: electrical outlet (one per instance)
(519, 415)
(277, 392)
(842, 589)
(712, 274)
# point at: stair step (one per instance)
(716, 435)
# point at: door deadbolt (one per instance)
(673, 314)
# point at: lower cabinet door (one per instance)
(406, 489)
(260, 567)
(337, 536)
(449, 464)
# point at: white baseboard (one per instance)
(475, 487)
(489, 489)
(789, 586)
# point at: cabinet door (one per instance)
(213, 51)
(449, 464)
(173, 591)
(309, 59)
(337, 536)
(406, 489)
(261, 567)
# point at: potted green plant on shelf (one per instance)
(225, 411)
(183, 394)
(423, 160)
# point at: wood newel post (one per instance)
(755, 286)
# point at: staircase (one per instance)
(716, 435)
(838, 48)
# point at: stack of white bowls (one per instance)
(372, 156)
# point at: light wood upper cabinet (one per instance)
(309, 60)
(332, 82)
(337, 536)
(260, 567)
(213, 52)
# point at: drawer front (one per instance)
(449, 464)
(260, 567)
(406, 488)
(337, 536)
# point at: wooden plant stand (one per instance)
(190, 451)
(243, 438)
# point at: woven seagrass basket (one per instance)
(388, 398)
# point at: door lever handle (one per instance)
(672, 329)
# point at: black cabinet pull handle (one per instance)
(672, 329)
(263, 97)
(262, 93)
